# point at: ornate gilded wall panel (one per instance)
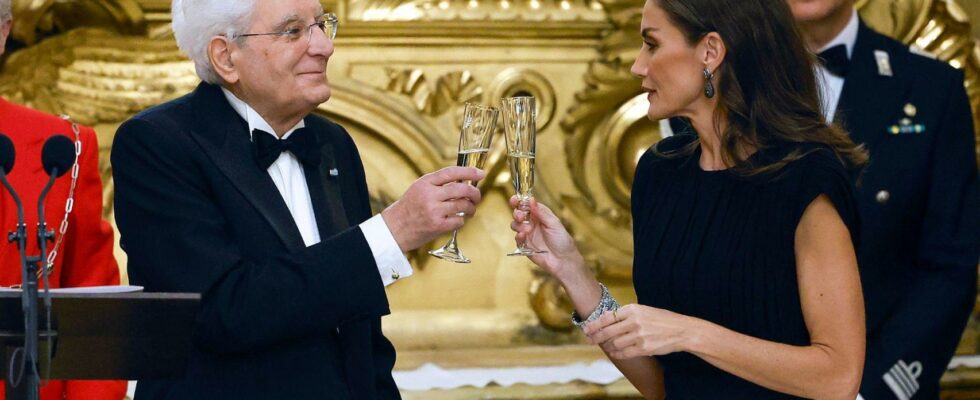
(40, 18)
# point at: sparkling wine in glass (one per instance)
(479, 123)
(520, 129)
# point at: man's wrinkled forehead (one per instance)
(282, 13)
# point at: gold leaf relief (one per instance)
(450, 90)
(36, 19)
(475, 10)
(96, 76)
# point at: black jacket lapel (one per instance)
(224, 137)
(326, 194)
(869, 99)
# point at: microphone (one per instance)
(7, 157)
(7, 154)
(57, 155)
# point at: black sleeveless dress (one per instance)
(720, 247)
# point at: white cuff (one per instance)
(392, 264)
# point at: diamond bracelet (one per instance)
(606, 304)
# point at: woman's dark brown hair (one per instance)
(767, 83)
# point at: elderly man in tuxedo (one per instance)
(918, 199)
(236, 191)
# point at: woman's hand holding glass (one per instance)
(545, 232)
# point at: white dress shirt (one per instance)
(830, 85)
(288, 175)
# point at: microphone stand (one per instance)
(19, 386)
(44, 235)
(27, 384)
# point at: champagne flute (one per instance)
(479, 123)
(520, 129)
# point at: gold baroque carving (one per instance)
(38, 18)
(96, 76)
(550, 302)
(475, 10)
(450, 90)
(524, 82)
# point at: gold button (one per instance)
(910, 110)
(882, 197)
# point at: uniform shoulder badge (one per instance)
(884, 63)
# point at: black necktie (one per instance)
(835, 60)
(301, 143)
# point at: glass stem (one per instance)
(452, 241)
(525, 206)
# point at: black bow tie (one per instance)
(835, 60)
(301, 143)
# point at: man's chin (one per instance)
(318, 95)
(325, 94)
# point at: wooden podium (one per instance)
(125, 336)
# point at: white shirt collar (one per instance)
(847, 36)
(252, 117)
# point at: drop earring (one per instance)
(709, 87)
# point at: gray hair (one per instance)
(5, 13)
(195, 22)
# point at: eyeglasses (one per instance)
(294, 31)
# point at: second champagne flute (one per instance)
(520, 130)
(479, 123)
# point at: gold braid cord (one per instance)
(69, 203)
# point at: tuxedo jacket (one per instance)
(278, 320)
(85, 257)
(920, 213)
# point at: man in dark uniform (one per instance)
(918, 199)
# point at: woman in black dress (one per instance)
(744, 266)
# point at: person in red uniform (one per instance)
(85, 254)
